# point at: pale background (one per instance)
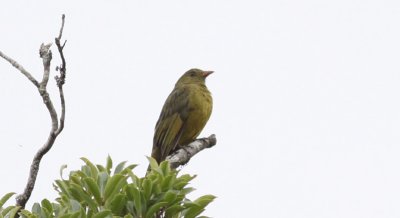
(306, 98)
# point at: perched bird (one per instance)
(184, 114)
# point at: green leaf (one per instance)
(155, 208)
(167, 183)
(81, 174)
(75, 179)
(81, 195)
(186, 178)
(57, 209)
(153, 163)
(6, 210)
(131, 208)
(27, 214)
(128, 216)
(66, 216)
(101, 168)
(93, 168)
(135, 195)
(193, 212)
(85, 169)
(90, 213)
(102, 181)
(119, 167)
(170, 196)
(13, 212)
(63, 200)
(76, 214)
(147, 186)
(118, 204)
(83, 213)
(135, 179)
(186, 191)
(109, 164)
(74, 205)
(173, 210)
(113, 185)
(103, 214)
(5, 198)
(62, 168)
(45, 213)
(198, 206)
(128, 169)
(182, 181)
(165, 168)
(37, 209)
(46, 204)
(63, 186)
(75, 194)
(203, 201)
(93, 189)
(189, 204)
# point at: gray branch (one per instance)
(45, 54)
(56, 125)
(61, 79)
(183, 155)
(20, 68)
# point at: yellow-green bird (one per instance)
(184, 114)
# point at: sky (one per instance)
(306, 98)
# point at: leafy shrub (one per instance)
(95, 191)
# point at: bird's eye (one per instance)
(192, 74)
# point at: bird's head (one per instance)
(194, 75)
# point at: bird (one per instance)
(184, 114)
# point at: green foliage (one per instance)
(95, 191)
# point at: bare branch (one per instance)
(45, 54)
(183, 155)
(61, 79)
(62, 27)
(62, 118)
(56, 128)
(20, 68)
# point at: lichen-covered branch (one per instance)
(61, 79)
(56, 126)
(183, 155)
(20, 68)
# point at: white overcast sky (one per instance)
(306, 98)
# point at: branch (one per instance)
(56, 127)
(20, 68)
(61, 79)
(45, 54)
(183, 155)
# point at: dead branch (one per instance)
(183, 155)
(20, 68)
(57, 125)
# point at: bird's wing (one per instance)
(171, 123)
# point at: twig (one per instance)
(63, 68)
(183, 155)
(61, 79)
(56, 127)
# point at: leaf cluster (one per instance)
(97, 191)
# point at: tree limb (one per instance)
(61, 79)
(57, 126)
(183, 155)
(20, 68)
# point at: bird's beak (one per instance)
(206, 73)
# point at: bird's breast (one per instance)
(199, 111)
